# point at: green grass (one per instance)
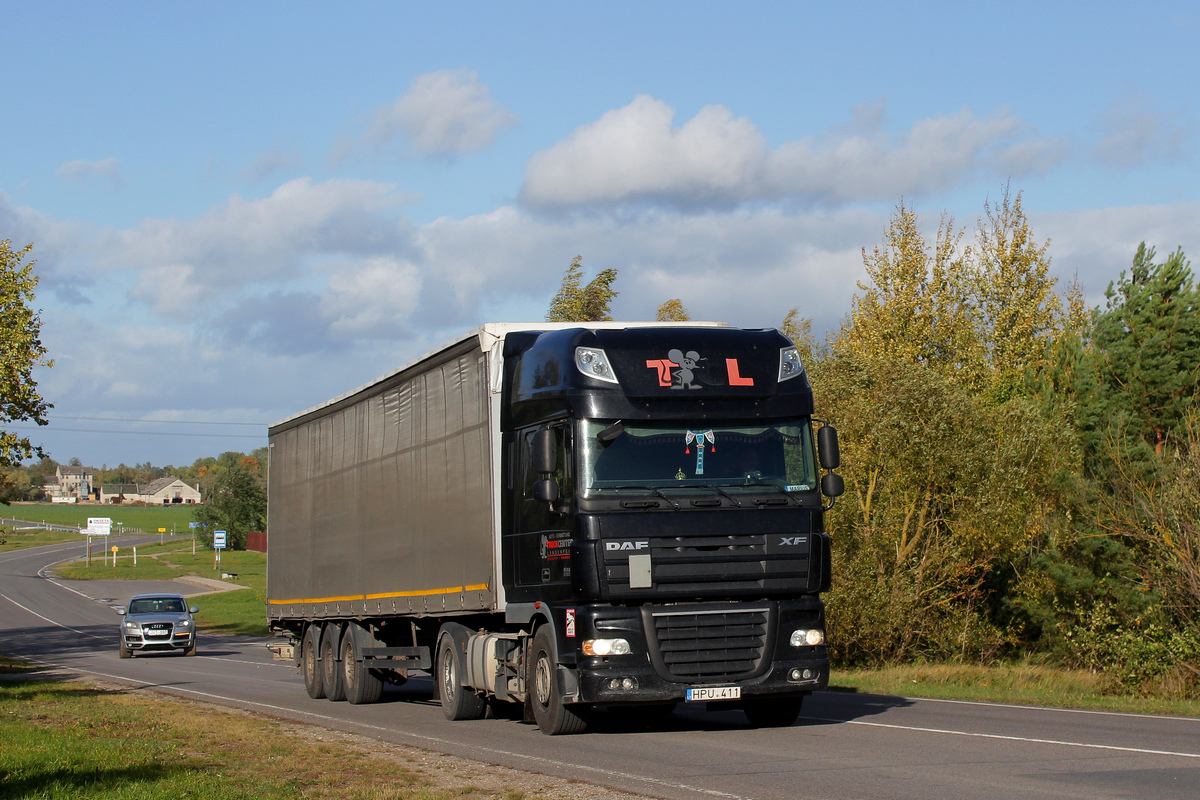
(1014, 684)
(11, 539)
(241, 611)
(145, 519)
(71, 741)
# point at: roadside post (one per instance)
(114, 552)
(135, 556)
(97, 526)
(192, 526)
(161, 532)
(218, 546)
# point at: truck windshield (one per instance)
(667, 455)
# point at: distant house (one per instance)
(69, 484)
(118, 492)
(165, 491)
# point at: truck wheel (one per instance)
(541, 683)
(310, 662)
(362, 685)
(458, 702)
(773, 713)
(331, 673)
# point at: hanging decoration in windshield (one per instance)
(699, 437)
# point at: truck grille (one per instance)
(698, 565)
(708, 646)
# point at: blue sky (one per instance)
(241, 210)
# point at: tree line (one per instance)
(1022, 472)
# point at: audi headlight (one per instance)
(807, 637)
(133, 626)
(183, 623)
(606, 647)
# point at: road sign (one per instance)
(219, 540)
(193, 524)
(99, 526)
(162, 530)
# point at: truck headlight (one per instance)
(606, 647)
(593, 362)
(807, 637)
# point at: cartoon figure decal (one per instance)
(687, 365)
(678, 370)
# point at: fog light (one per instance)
(628, 683)
(809, 637)
(794, 675)
(614, 683)
(606, 647)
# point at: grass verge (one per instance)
(241, 611)
(17, 539)
(75, 741)
(1013, 684)
(145, 519)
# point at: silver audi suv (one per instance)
(157, 622)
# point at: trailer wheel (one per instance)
(458, 702)
(331, 673)
(310, 662)
(361, 682)
(778, 712)
(552, 716)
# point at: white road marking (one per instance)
(1030, 740)
(52, 622)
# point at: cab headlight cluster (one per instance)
(593, 362)
(606, 647)
(807, 637)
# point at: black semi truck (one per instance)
(563, 517)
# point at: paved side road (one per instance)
(844, 745)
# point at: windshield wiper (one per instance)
(722, 492)
(787, 498)
(651, 489)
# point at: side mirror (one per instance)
(120, 610)
(545, 491)
(827, 448)
(545, 451)
(832, 485)
(194, 610)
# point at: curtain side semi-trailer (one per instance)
(563, 517)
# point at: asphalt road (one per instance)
(844, 745)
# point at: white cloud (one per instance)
(269, 163)
(80, 170)
(443, 113)
(635, 154)
(371, 299)
(243, 242)
(1134, 133)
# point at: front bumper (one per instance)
(679, 647)
(596, 682)
(182, 640)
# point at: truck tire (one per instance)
(458, 701)
(552, 716)
(361, 683)
(310, 662)
(331, 672)
(776, 712)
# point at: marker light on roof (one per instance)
(592, 362)
(790, 364)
